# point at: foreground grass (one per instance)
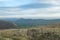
(42, 33)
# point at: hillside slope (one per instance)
(7, 24)
(41, 33)
(35, 22)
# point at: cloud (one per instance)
(15, 3)
(41, 13)
(55, 2)
(36, 5)
(36, 16)
(47, 9)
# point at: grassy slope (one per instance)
(49, 32)
(25, 34)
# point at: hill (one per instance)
(35, 22)
(7, 25)
(27, 23)
(41, 33)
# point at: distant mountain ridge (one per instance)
(21, 22)
(35, 22)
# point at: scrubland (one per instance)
(40, 33)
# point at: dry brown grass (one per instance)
(21, 34)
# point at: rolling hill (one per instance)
(35, 22)
(26, 23)
(7, 25)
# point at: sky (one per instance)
(36, 9)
